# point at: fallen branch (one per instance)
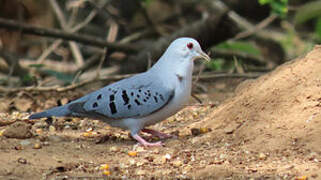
(55, 33)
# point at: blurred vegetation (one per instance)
(275, 31)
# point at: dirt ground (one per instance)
(268, 128)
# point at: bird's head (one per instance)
(187, 49)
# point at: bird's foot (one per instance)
(145, 143)
(157, 133)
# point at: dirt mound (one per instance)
(277, 114)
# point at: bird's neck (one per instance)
(173, 67)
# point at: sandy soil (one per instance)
(268, 129)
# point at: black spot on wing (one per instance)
(171, 95)
(155, 98)
(99, 96)
(129, 106)
(95, 104)
(125, 97)
(112, 97)
(138, 96)
(137, 102)
(132, 93)
(161, 97)
(112, 107)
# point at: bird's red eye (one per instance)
(190, 45)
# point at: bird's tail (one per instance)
(56, 111)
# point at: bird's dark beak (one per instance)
(204, 56)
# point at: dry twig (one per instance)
(55, 33)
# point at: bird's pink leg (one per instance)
(157, 133)
(145, 143)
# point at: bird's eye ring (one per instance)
(190, 45)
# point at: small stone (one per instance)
(25, 142)
(46, 143)
(18, 147)
(132, 162)
(166, 158)
(262, 156)
(19, 130)
(22, 161)
(195, 131)
(229, 130)
(114, 149)
(139, 164)
(222, 156)
(83, 123)
(140, 172)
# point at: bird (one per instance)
(141, 100)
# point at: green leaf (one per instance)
(264, 2)
(37, 65)
(216, 64)
(241, 46)
(278, 7)
(27, 79)
(61, 76)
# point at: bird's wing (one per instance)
(131, 98)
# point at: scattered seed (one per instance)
(204, 130)
(132, 153)
(104, 167)
(39, 131)
(106, 173)
(1, 132)
(37, 146)
(301, 178)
